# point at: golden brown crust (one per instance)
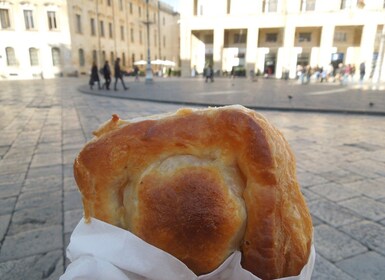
(200, 185)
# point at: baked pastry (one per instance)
(200, 184)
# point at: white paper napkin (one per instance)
(102, 251)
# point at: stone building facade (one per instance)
(275, 36)
(47, 39)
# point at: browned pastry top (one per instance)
(200, 184)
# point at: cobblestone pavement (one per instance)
(44, 124)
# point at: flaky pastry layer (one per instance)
(200, 184)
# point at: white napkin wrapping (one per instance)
(102, 251)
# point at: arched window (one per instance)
(11, 58)
(82, 61)
(103, 56)
(95, 56)
(34, 56)
(55, 56)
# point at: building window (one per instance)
(101, 28)
(304, 37)
(109, 2)
(33, 56)
(110, 31)
(347, 4)
(271, 37)
(340, 37)
(228, 6)
(308, 5)
(11, 57)
(239, 38)
(52, 22)
(28, 19)
(132, 58)
(103, 56)
(112, 57)
(269, 6)
(164, 41)
(122, 32)
(93, 29)
(154, 17)
(130, 8)
(121, 5)
(132, 35)
(164, 21)
(78, 24)
(82, 60)
(4, 19)
(123, 59)
(155, 39)
(140, 37)
(94, 56)
(140, 11)
(55, 56)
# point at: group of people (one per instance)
(106, 72)
(342, 73)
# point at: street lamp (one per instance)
(149, 78)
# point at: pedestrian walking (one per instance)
(209, 73)
(118, 74)
(107, 75)
(136, 72)
(362, 72)
(94, 78)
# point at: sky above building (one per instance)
(173, 3)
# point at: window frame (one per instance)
(52, 20)
(56, 56)
(29, 23)
(34, 56)
(11, 56)
(5, 19)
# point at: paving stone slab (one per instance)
(366, 207)
(308, 179)
(335, 245)
(32, 242)
(373, 188)
(34, 218)
(332, 213)
(40, 184)
(10, 189)
(46, 159)
(44, 171)
(368, 266)
(72, 200)
(47, 266)
(39, 199)
(7, 205)
(368, 233)
(325, 270)
(334, 191)
(71, 219)
(4, 223)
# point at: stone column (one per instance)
(251, 49)
(219, 35)
(326, 45)
(185, 50)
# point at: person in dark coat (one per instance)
(107, 75)
(94, 76)
(118, 74)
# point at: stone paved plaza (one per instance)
(340, 160)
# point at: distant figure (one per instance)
(94, 76)
(194, 71)
(107, 75)
(209, 73)
(118, 74)
(362, 71)
(136, 72)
